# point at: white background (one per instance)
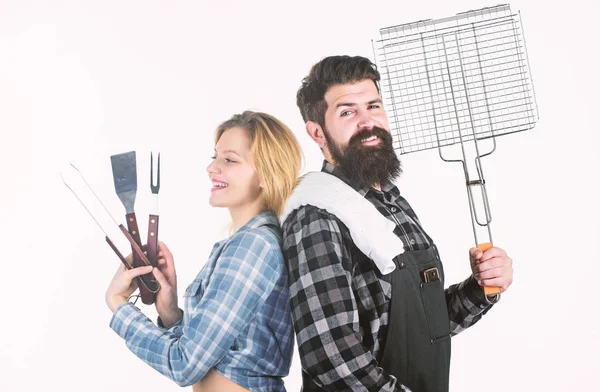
(81, 80)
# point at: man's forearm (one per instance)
(466, 305)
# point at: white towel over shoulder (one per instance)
(372, 233)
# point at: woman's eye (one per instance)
(229, 160)
(213, 157)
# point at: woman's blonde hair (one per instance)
(276, 155)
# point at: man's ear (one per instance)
(315, 132)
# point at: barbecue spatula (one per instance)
(125, 177)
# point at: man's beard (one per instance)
(370, 165)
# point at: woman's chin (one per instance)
(214, 203)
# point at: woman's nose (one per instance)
(213, 167)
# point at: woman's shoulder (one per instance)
(261, 231)
(257, 246)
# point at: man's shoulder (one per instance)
(307, 216)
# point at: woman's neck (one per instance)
(242, 215)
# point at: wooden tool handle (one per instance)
(132, 226)
(488, 290)
(147, 283)
(153, 239)
(152, 285)
(114, 248)
(144, 281)
(145, 293)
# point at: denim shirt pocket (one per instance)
(194, 289)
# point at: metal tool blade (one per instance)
(153, 218)
(125, 177)
(154, 185)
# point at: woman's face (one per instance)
(235, 183)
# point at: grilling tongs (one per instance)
(146, 280)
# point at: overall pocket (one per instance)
(436, 311)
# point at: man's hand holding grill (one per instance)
(492, 267)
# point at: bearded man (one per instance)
(366, 282)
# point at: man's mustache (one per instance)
(366, 133)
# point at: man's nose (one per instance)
(366, 121)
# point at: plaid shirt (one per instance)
(236, 316)
(340, 301)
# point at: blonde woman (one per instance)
(235, 333)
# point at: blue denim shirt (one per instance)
(236, 316)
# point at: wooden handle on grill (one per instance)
(488, 290)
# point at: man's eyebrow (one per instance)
(345, 104)
(352, 104)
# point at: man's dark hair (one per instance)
(326, 73)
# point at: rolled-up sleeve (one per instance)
(466, 305)
(240, 282)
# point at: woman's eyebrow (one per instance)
(231, 151)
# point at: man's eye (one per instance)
(345, 113)
(374, 106)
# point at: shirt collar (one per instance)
(265, 218)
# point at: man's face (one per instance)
(356, 130)
(352, 108)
